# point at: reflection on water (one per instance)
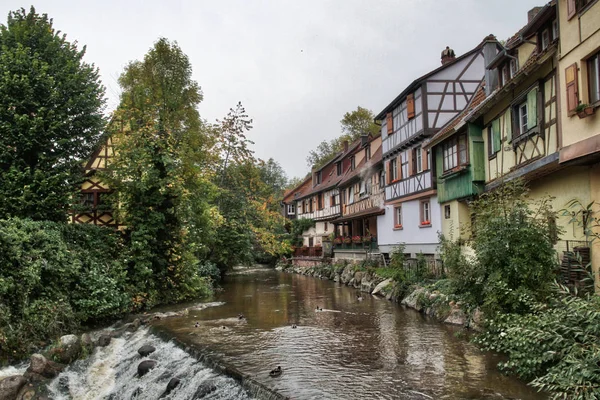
(350, 350)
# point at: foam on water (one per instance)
(111, 373)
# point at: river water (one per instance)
(369, 349)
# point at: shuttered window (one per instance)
(571, 8)
(494, 139)
(410, 163)
(410, 106)
(572, 88)
(399, 166)
(532, 106)
(389, 123)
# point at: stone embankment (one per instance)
(430, 302)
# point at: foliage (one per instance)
(298, 227)
(51, 105)
(162, 190)
(558, 344)
(353, 124)
(55, 276)
(513, 243)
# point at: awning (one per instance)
(365, 213)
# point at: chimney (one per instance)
(532, 13)
(448, 55)
(490, 50)
(345, 146)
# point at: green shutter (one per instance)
(496, 134)
(532, 108)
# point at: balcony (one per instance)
(364, 245)
(308, 252)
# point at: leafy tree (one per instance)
(353, 124)
(157, 174)
(51, 105)
(359, 122)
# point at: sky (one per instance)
(296, 66)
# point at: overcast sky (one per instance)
(297, 66)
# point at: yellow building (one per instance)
(523, 130)
(92, 209)
(579, 99)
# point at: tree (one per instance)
(353, 125)
(51, 105)
(162, 191)
(359, 122)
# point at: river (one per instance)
(369, 349)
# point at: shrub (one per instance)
(558, 344)
(210, 270)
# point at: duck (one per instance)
(241, 316)
(318, 309)
(197, 324)
(294, 326)
(359, 297)
(275, 372)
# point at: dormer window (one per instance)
(514, 67)
(554, 30)
(339, 168)
(368, 152)
(318, 178)
(352, 163)
(545, 39)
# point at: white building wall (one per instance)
(416, 238)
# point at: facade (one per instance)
(579, 101)
(92, 209)
(288, 203)
(459, 169)
(412, 212)
(362, 200)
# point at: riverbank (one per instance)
(423, 299)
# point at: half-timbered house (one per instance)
(290, 197)
(92, 208)
(362, 200)
(412, 212)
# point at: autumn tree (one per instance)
(51, 104)
(162, 187)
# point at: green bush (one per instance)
(557, 345)
(210, 270)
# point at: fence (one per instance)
(431, 268)
(308, 252)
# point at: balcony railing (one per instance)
(314, 252)
(353, 246)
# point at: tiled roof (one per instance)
(457, 121)
(298, 190)
(374, 161)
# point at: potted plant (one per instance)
(338, 240)
(356, 239)
(426, 222)
(367, 239)
(584, 110)
(347, 240)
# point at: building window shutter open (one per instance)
(532, 108)
(572, 88)
(496, 134)
(410, 162)
(399, 166)
(424, 160)
(571, 8)
(388, 172)
(389, 123)
(410, 106)
(508, 125)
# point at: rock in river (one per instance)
(10, 386)
(146, 350)
(146, 366)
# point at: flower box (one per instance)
(427, 222)
(337, 240)
(347, 240)
(356, 239)
(584, 110)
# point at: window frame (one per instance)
(352, 163)
(339, 168)
(419, 159)
(398, 216)
(455, 142)
(593, 60)
(291, 209)
(368, 152)
(519, 127)
(545, 39)
(447, 211)
(425, 212)
(394, 169)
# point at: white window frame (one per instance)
(398, 216)
(545, 39)
(522, 112)
(394, 169)
(425, 211)
(291, 209)
(419, 158)
(594, 92)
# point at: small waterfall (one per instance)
(111, 373)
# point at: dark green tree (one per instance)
(51, 105)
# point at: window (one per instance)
(526, 113)
(454, 152)
(398, 217)
(368, 152)
(554, 29)
(87, 200)
(394, 169)
(291, 209)
(326, 227)
(593, 65)
(545, 39)
(332, 201)
(419, 158)
(505, 77)
(318, 178)
(463, 155)
(320, 202)
(352, 163)
(576, 6)
(425, 213)
(447, 211)
(514, 67)
(494, 140)
(339, 168)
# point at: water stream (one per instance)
(369, 349)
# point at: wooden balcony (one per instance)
(308, 252)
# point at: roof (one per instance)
(458, 121)
(548, 11)
(375, 160)
(332, 178)
(535, 59)
(296, 192)
(419, 80)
